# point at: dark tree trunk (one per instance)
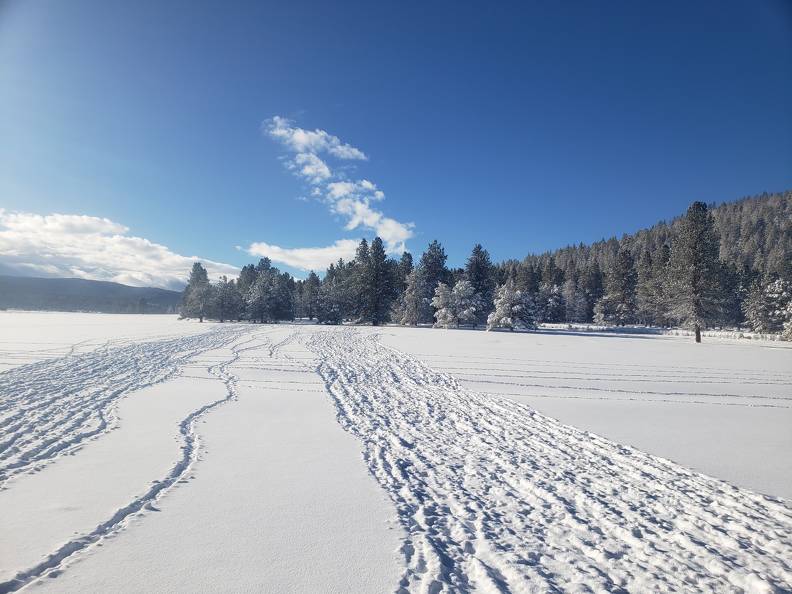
(698, 333)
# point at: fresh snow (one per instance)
(244, 457)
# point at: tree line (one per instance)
(727, 266)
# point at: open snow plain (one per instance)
(292, 458)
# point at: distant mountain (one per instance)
(77, 294)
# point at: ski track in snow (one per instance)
(190, 448)
(52, 407)
(496, 497)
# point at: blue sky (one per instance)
(524, 126)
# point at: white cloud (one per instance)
(393, 233)
(316, 141)
(311, 167)
(350, 199)
(311, 258)
(94, 248)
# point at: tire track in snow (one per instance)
(51, 408)
(496, 497)
(120, 519)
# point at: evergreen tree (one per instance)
(550, 305)
(593, 287)
(513, 309)
(404, 269)
(310, 295)
(618, 306)
(786, 334)
(481, 274)
(227, 301)
(767, 305)
(415, 306)
(455, 306)
(259, 298)
(247, 276)
(330, 303)
(375, 282)
(644, 290)
(433, 270)
(696, 299)
(576, 306)
(197, 295)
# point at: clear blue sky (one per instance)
(524, 126)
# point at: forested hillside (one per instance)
(728, 265)
(77, 294)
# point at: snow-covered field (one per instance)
(142, 453)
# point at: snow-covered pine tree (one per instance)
(227, 300)
(617, 306)
(513, 309)
(329, 308)
(766, 307)
(574, 301)
(445, 316)
(259, 298)
(433, 270)
(197, 296)
(467, 302)
(415, 307)
(786, 334)
(247, 276)
(696, 298)
(455, 306)
(644, 290)
(480, 272)
(550, 303)
(405, 267)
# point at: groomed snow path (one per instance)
(497, 497)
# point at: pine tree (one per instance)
(198, 293)
(695, 297)
(444, 312)
(481, 274)
(378, 285)
(247, 276)
(786, 334)
(433, 270)
(513, 309)
(330, 302)
(618, 306)
(310, 295)
(644, 290)
(767, 305)
(574, 302)
(260, 299)
(404, 269)
(457, 305)
(592, 285)
(415, 306)
(226, 300)
(550, 303)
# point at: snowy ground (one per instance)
(182, 457)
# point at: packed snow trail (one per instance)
(496, 497)
(50, 408)
(190, 450)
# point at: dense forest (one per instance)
(723, 266)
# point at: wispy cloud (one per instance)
(350, 199)
(310, 258)
(95, 248)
